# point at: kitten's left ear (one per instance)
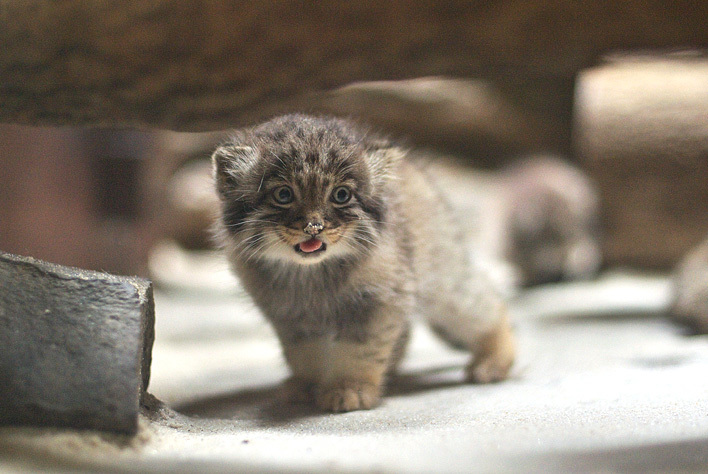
(229, 162)
(383, 159)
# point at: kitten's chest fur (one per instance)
(335, 294)
(292, 292)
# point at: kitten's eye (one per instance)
(341, 195)
(283, 195)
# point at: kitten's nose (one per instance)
(313, 228)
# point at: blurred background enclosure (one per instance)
(570, 134)
(621, 91)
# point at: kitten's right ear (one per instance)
(229, 162)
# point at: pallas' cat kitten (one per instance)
(339, 240)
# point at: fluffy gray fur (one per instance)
(387, 246)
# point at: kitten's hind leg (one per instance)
(494, 352)
(484, 329)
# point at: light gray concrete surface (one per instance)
(603, 384)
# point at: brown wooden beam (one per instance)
(196, 65)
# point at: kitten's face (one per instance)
(300, 195)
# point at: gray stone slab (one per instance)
(75, 346)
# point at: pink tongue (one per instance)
(310, 245)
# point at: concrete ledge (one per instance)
(76, 346)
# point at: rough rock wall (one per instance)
(211, 65)
(191, 65)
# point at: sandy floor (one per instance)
(603, 383)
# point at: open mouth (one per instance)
(311, 247)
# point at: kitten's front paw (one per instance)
(348, 395)
(297, 390)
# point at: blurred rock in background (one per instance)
(475, 118)
(641, 132)
(77, 197)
